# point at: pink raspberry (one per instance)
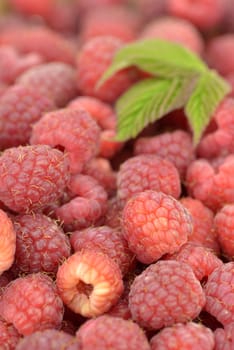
(203, 221)
(32, 303)
(32, 177)
(150, 9)
(121, 334)
(224, 224)
(93, 60)
(41, 245)
(121, 308)
(155, 224)
(87, 206)
(183, 336)
(219, 52)
(12, 64)
(38, 39)
(7, 242)
(56, 80)
(74, 130)
(176, 293)
(175, 146)
(3, 88)
(200, 259)
(147, 172)
(113, 213)
(32, 7)
(107, 240)
(85, 6)
(175, 30)
(205, 14)
(49, 339)
(219, 291)
(224, 338)
(89, 282)
(9, 337)
(20, 107)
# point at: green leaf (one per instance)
(207, 95)
(157, 57)
(147, 102)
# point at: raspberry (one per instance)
(150, 9)
(175, 30)
(224, 224)
(203, 220)
(224, 338)
(9, 337)
(113, 213)
(3, 88)
(56, 80)
(101, 170)
(205, 14)
(93, 60)
(219, 51)
(88, 205)
(41, 244)
(200, 259)
(12, 64)
(33, 7)
(219, 294)
(175, 146)
(84, 6)
(121, 309)
(20, 107)
(32, 177)
(175, 291)
(7, 242)
(32, 303)
(46, 42)
(49, 339)
(89, 282)
(190, 336)
(155, 224)
(74, 130)
(122, 334)
(107, 240)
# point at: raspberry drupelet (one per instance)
(165, 293)
(32, 303)
(89, 282)
(7, 242)
(155, 224)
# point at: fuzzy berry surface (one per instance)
(223, 225)
(155, 224)
(176, 293)
(122, 334)
(31, 177)
(32, 303)
(9, 337)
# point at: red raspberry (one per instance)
(175, 146)
(7, 242)
(49, 339)
(33, 7)
(175, 291)
(32, 177)
(20, 107)
(147, 172)
(3, 88)
(113, 214)
(200, 259)
(93, 60)
(219, 51)
(12, 64)
(150, 9)
(74, 130)
(32, 303)
(183, 337)
(175, 30)
(107, 240)
(56, 80)
(205, 14)
(155, 224)
(203, 221)
(121, 309)
(121, 334)
(89, 282)
(41, 245)
(38, 39)
(101, 170)
(88, 205)
(84, 6)
(9, 337)
(224, 224)
(224, 338)
(219, 291)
